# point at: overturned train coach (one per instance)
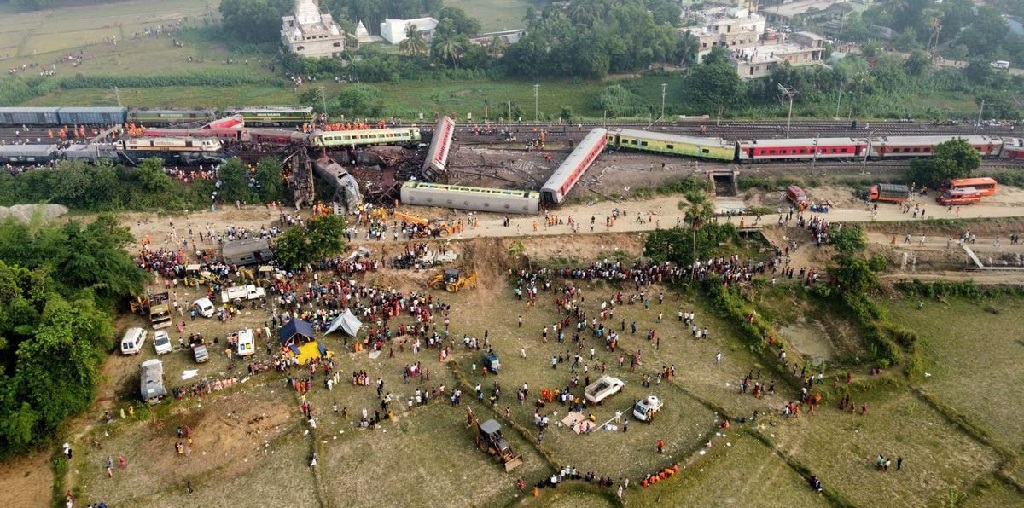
(470, 198)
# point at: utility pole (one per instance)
(814, 157)
(509, 111)
(536, 103)
(663, 87)
(323, 100)
(788, 93)
(980, 111)
(839, 101)
(117, 93)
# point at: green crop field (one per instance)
(28, 36)
(495, 15)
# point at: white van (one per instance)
(1001, 64)
(133, 340)
(246, 345)
(204, 307)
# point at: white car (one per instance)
(603, 388)
(645, 409)
(204, 307)
(161, 342)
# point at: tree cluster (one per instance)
(106, 187)
(321, 238)
(58, 286)
(952, 159)
(592, 38)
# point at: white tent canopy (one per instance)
(348, 322)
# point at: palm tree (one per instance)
(496, 47)
(449, 50)
(414, 43)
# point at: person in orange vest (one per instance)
(661, 445)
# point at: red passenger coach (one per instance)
(903, 147)
(760, 150)
(440, 145)
(566, 176)
(221, 134)
(1013, 148)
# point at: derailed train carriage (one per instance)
(470, 198)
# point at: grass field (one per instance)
(495, 15)
(741, 472)
(972, 371)
(26, 35)
(250, 436)
(407, 99)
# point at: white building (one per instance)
(393, 30)
(310, 33)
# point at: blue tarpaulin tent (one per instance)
(296, 331)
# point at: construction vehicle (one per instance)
(888, 193)
(489, 439)
(452, 280)
(428, 227)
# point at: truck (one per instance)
(962, 196)
(604, 387)
(152, 381)
(797, 196)
(239, 294)
(160, 316)
(888, 193)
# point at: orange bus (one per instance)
(984, 186)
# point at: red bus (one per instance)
(984, 186)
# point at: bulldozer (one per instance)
(452, 280)
(489, 439)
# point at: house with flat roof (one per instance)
(393, 30)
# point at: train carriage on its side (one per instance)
(273, 115)
(277, 137)
(764, 150)
(221, 134)
(470, 198)
(687, 146)
(565, 177)
(34, 117)
(366, 137)
(440, 145)
(1013, 148)
(904, 147)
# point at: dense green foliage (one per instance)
(592, 38)
(685, 245)
(323, 237)
(955, 158)
(106, 187)
(58, 285)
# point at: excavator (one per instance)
(490, 440)
(434, 227)
(452, 280)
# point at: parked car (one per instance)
(604, 387)
(245, 342)
(204, 307)
(201, 353)
(644, 410)
(133, 340)
(162, 343)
